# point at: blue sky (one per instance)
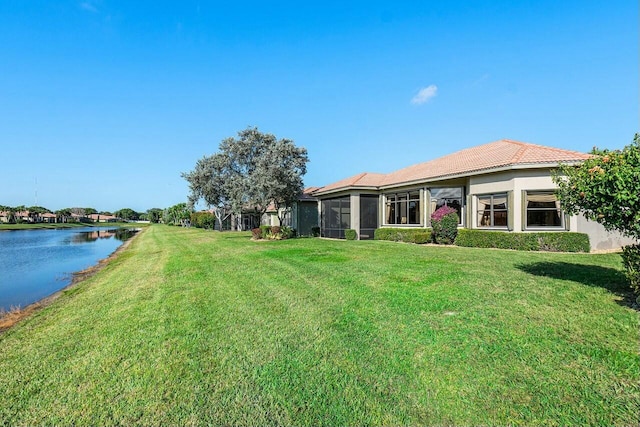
(104, 103)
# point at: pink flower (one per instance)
(441, 212)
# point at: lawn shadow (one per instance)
(591, 275)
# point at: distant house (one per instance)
(503, 186)
(47, 217)
(102, 218)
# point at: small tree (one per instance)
(606, 189)
(444, 224)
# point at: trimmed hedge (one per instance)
(350, 234)
(408, 235)
(550, 242)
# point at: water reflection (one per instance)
(121, 234)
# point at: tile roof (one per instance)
(504, 153)
(365, 179)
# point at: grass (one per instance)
(41, 225)
(188, 327)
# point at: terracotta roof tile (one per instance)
(494, 155)
(365, 179)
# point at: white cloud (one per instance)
(88, 6)
(424, 95)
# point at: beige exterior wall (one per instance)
(512, 182)
(601, 239)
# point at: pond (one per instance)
(37, 263)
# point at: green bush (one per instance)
(264, 230)
(204, 220)
(631, 262)
(551, 242)
(315, 231)
(564, 242)
(350, 234)
(444, 224)
(288, 232)
(408, 235)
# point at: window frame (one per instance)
(461, 215)
(526, 209)
(412, 201)
(492, 210)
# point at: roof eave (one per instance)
(347, 188)
(518, 166)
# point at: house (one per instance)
(102, 218)
(504, 186)
(47, 217)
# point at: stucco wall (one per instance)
(601, 239)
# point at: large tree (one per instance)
(605, 188)
(249, 173)
(210, 181)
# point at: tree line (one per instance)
(16, 214)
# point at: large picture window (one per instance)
(543, 210)
(492, 210)
(336, 217)
(403, 208)
(451, 197)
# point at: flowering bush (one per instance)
(444, 225)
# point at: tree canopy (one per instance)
(605, 188)
(249, 172)
(127, 214)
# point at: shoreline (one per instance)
(10, 318)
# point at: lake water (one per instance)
(37, 263)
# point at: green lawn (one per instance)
(189, 327)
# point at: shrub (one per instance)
(350, 234)
(408, 235)
(315, 231)
(276, 229)
(265, 229)
(204, 220)
(288, 232)
(553, 242)
(563, 242)
(256, 234)
(631, 262)
(444, 225)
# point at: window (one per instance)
(451, 197)
(542, 210)
(492, 210)
(403, 208)
(336, 217)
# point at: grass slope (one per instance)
(189, 327)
